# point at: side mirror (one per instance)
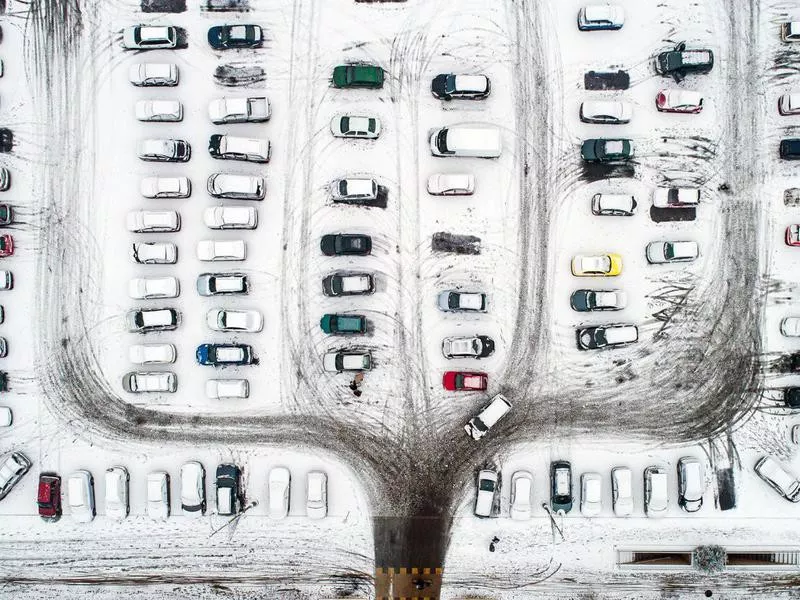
(681, 46)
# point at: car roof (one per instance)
(684, 248)
(617, 201)
(614, 146)
(473, 300)
(695, 57)
(471, 83)
(603, 12)
(620, 334)
(360, 186)
(244, 145)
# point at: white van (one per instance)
(479, 425)
(478, 141)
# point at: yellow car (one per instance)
(603, 265)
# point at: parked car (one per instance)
(5, 179)
(591, 300)
(154, 74)
(12, 469)
(230, 217)
(222, 355)
(253, 109)
(48, 497)
(790, 149)
(601, 16)
(218, 250)
(475, 346)
(193, 489)
(348, 284)
(229, 147)
(316, 494)
(345, 244)
(606, 336)
(451, 184)
(167, 111)
(467, 381)
(591, 494)
(778, 478)
(6, 215)
(789, 104)
(680, 62)
(343, 324)
(602, 150)
(158, 496)
(224, 37)
(225, 319)
(117, 481)
(656, 495)
(479, 425)
(669, 252)
(80, 496)
(164, 150)
(153, 221)
(279, 487)
(6, 245)
(790, 31)
(228, 490)
(236, 187)
(6, 280)
(613, 205)
(137, 382)
(679, 101)
(790, 326)
(154, 253)
(223, 389)
(452, 86)
(455, 301)
(605, 112)
(602, 265)
(355, 126)
(521, 498)
(357, 76)
(336, 362)
(622, 491)
(166, 187)
(145, 320)
(354, 190)
(792, 236)
(152, 354)
(222, 284)
(466, 140)
(672, 197)
(148, 288)
(4, 350)
(149, 37)
(484, 499)
(691, 484)
(561, 486)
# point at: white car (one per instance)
(153, 221)
(353, 126)
(476, 346)
(117, 504)
(222, 284)
(138, 382)
(336, 362)
(230, 147)
(669, 252)
(591, 494)
(166, 111)
(656, 491)
(484, 499)
(789, 104)
(80, 496)
(230, 217)
(154, 253)
(221, 389)
(149, 37)
(354, 189)
(254, 109)
(236, 187)
(158, 495)
(778, 478)
(193, 489)
(164, 150)
(671, 197)
(601, 16)
(680, 101)
(613, 205)
(152, 354)
(521, 495)
(316, 495)
(790, 327)
(608, 112)
(214, 250)
(451, 184)
(6, 280)
(147, 288)
(222, 319)
(166, 187)
(622, 491)
(154, 74)
(279, 484)
(6, 416)
(455, 301)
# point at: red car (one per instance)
(49, 497)
(6, 245)
(793, 235)
(459, 381)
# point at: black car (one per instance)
(606, 336)
(229, 492)
(680, 62)
(790, 149)
(344, 244)
(449, 86)
(791, 396)
(561, 486)
(222, 37)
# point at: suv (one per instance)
(48, 498)
(343, 324)
(449, 86)
(345, 244)
(152, 319)
(336, 362)
(778, 478)
(561, 486)
(477, 346)
(606, 336)
(490, 414)
(358, 76)
(691, 484)
(222, 355)
(222, 37)
(484, 499)
(680, 62)
(354, 190)
(348, 284)
(229, 495)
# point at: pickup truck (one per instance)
(239, 110)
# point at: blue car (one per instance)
(221, 355)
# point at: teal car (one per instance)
(343, 324)
(358, 76)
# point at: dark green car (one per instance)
(358, 76)
(343, 324)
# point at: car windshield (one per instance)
(459, 380)
(450, 84)
(345, 124)
(487, 485)
(441, 140)
(669, 250)
(343, 187)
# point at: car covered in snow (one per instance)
(223, 355)
(12, 469)
(789, 104)
(335, 324)
(778, 478)
(606, 336)
(158, 495)
(590, 300)
(561, 486)
(357, 76)
(622, 491)
(691, 484)
(166, 187)
(230, 217)
(606, 112)
(253, 109)
(166, 111)
(679, 101)
(656, 491)
(245, 35)
(451, 184)
(348, 284)
(279, 483)
(80, 496)
(149, 37)
(670, 252)
(148, 288)
(674, 197)
(355, 126)
(217, 250)
(452, 86)
(117, 482)
(599, 265)
(154, 253)
(354, 189)
(230, 147)
(606, 150)
(475, 346)
(521, 498)
(790, 326)
(164, 150)
(228, 490)
(138, 382)
(193, 489)
(222, 389)
(680, 62)
(316, 494)
(226, 319)
(613, 205)
(146, 320)
(596, 17)
(236, 187)
(152, 354)
(591, 494)
(464, 381)
(455, 301)
(154, 74)
(222, 284)
(343, 360)
(153, 221)
(345, 244)
(484, 499)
